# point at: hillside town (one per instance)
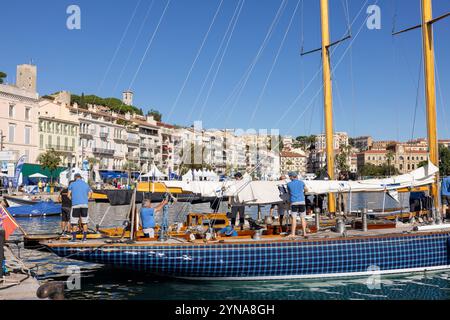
(112, 140)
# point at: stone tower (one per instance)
(127, 98)
(26, 77)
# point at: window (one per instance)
(11, 111)
(49, 142)
(27, 113)
(41, 141)
(58, 142)
(12, 132)
(27, 135)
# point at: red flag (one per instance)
(7, 222)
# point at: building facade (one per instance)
(19, 116)
(58, 129)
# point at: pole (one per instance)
(430, 93)
(328, 98)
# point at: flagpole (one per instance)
(14, 221)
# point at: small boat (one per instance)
(40, 209)
(15, 201)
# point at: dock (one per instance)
(17, 285)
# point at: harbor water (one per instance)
(98, 282)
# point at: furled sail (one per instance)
(266, 192)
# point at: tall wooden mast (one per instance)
(327, 98)
(430, 91)
(430, 86)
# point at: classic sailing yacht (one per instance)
(191, 252)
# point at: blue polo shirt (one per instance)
(297, 191)
(80, 192)
(229, 231)
(445, 187)
(148, 218)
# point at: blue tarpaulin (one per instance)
(113, 175)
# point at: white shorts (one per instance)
(150, 232)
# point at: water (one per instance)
(100, 283)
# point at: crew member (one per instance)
(445, 191)
(237, 207)
(147, 214)
(66, 208)
(298, 205)
(79, 193)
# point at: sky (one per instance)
(237, 63)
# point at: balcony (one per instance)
(131, 156)
(61, 148)
(135, 141)
(104, 135)
(88, 133)
(108, 152)
(120, 138)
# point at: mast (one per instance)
(327, 98)
(430, 92)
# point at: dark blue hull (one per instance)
(277, 259)
(37, 210)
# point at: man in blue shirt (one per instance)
(298, 205)
(79, 193)
(228, 231)
(445, 192)
(147, 214)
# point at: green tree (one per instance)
(155, 114)
(2, 76)
(390, 155)
(444, 161)
(342, 158)
(50, 160)
(129, 167)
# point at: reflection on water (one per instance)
(99, 282)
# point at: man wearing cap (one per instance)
(79, 193)
(298, 205)
(237, 207)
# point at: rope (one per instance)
(280, 48)
(195, 61)
(214, 61)
(221, 60)
(149, 44)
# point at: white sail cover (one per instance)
(251, 192)
(154, 172)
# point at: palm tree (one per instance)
(390, 156)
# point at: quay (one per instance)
(19, 283)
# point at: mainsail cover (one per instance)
(266, 192)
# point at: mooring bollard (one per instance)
(2, 252)
(317, 213)
(340, 226)
(364, 219)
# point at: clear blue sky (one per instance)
(380, 101)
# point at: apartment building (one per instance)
(58, 128)
(291, 161)
(19, 116)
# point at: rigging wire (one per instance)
(219, 50)
(258, 55)
(205, 38)
(239, 88)
(441, 98)
(147, 14)
(319, 71)
(150, 42)
(221, 60)
(263, 91)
